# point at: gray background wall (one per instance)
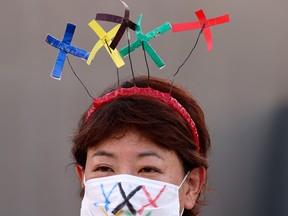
(241, 85)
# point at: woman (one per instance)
(141, 152)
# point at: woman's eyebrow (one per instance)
(104, 153)
(148, 154)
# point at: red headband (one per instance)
(164, 97)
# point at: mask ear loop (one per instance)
(183, 180)
(175, 74)
(78, 78)
(84, 179)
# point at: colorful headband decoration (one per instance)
(117, 32)
(143, 40)
(64, 48)
(198, 25)
(124, 21)
(111, 39)
(148, 92)
(105, 40)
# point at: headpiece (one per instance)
(111, 39)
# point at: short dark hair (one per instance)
(154, 120)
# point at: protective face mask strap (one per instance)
(182, 212)
(84, 179)
(184, 179)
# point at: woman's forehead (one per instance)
(129, 142)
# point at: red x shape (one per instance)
(152, 201)
(202, 23)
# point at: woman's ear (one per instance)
(195, 181)
(80, 173)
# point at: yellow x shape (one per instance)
(105, 40)
(118, 214)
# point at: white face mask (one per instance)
(128, 195)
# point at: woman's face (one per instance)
(135, 155)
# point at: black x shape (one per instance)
(124, 21)
(126, 200)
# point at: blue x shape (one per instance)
(106, 196)
(64, 48)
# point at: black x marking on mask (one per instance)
(126, 200)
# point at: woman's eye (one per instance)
(149, 170)
(103, 169)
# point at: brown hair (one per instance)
(154, 119)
